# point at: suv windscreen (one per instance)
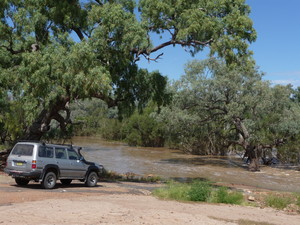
(23, 149)
(73, 155)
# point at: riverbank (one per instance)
(120, 203)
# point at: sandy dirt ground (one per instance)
(120, 203)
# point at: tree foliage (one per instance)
(143, 129)
(55, 52)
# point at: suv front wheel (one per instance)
(92, 179)
(49, 181)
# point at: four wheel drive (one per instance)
(46, 163)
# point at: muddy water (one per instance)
(173, 164)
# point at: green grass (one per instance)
(277, 202)
(223, 195)
(173, 190)
(198, 191)
(207, 192)
(298, 201)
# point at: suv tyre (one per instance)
(92, 179)
(21, 181)
(49, 180)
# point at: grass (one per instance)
(202, 191)
(173, 190)
(298, 200)
(199, 191)
(278, 202)
(223, 195)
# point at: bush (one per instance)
(277, 202)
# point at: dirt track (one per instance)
(119, 203)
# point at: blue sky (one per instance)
(276, 50)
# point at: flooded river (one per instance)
(168, 163)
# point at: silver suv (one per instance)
(46, 163)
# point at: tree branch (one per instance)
(78, 32)
(62, 122)
(98, 1)
(110, 101)
(193, 43)
(11, 50)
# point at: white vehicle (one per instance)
(47, 163)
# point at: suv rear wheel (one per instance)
(92, 179)
(21, 181)
(49, 181)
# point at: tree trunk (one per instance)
(252, 152)
(253, 155)
(254, 165)
(39, 127)
(42, 124)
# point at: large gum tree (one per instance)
(216, 108)
(55, 52)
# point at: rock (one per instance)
(251, 198)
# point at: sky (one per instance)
(276, 50)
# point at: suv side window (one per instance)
(60, 153)
(45, 152)
(72, 154)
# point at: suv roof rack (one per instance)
(34, 141)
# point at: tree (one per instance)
(216, 107)
(53, 52)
